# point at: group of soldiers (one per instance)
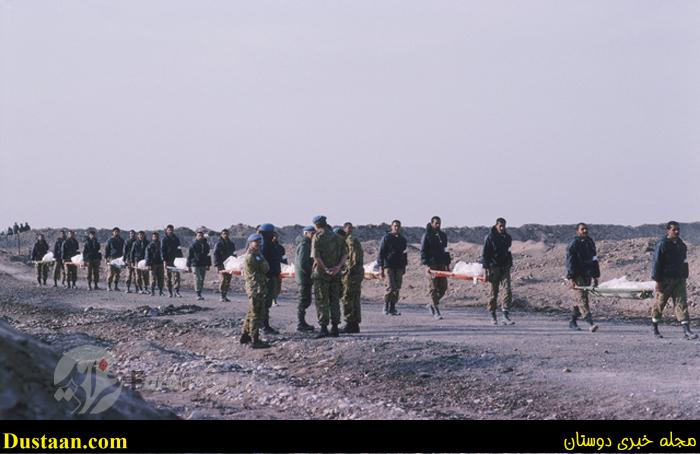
(329, 264)
(17, 229)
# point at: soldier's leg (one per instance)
(388, 290)
(176, 284)
(345, 302)
(269, 295)
(680, 298)
(494, 286)
(321, 292)
(146, 280)
(582, 303)
(117, 276)
(161, 278)
(334, 292)
(37, 267)
(96, 272)
(56, 272)
(507, 292)
(258, 312)
(353, 307)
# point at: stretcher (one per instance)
(460, 276)
(621, 288)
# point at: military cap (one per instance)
(339, 231)
(267, 228)
(255, 237)
(320, 219)
(309, 228)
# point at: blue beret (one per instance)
(339, 231)
(309, 228)
(319, 219)
(267, 228)
(254, 237)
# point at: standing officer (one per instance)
(283, 259)
(58, 269)
(273, 256)
(113, 250)
(170, 250)
(670, 271)
(352, 281)
(329, 254)
(138, 253)
(199, 259)
(582, 269)
(154, 262)
(255, 274)
(40, 249)
(303, 264)
(497, 262)
(434, 256)
(70, 249)
(392, 260)
(224, 249)
(130, 266)
(92, 256)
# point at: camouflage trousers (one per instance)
(42, 272)
(225, 285)
(131, 275)
(256, 312)
(93, 271)
(114, 274)
(352, 290)
(71, 273)
(499, 278)
(394, 281)
(141, 279)
(157, 276)
(438, 285)
(200, 273)
(674, 289)
(582, 307)
(273, 283)
(173, 278)
(304, 299)
(59, 271)
(327, 292)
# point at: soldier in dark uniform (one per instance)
(497, 262)
(170, 249)
(58, 270)
(392, 261)
(92, 257)
(138, 253)
(223, 250)
(70, 249)
(130, 266)
(582, 269)
(154, 262)
(273, 256)
(40, 249)
(303, 264)
(113, 250)
(199, 261)
(434, 256)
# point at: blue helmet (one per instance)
(267, 228)
(320, 219)
(309, 228)
(254, 237)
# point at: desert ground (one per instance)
(186, 358)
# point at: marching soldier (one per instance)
(256, 287)
(130, 266)
(70, 249)
(352, 281)
(434, 256)
(199, 259)
(582, 269)
(154, 262)
(40, 249)
(170, 250)
(58, 270)
(92, 257)
(497, 261)
(273, 256)
(392, 260)
(670, 271)
(113, 250)
(223, 250)
(302, 273)
(138, 253)
(329, 254)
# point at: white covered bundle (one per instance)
(468, 269)
(77, 259)
(141, 265)
(48, 258)
(371, 270)
(118, 262)
(288, 270)
(234, 263)
(180, 263)
(621, 283)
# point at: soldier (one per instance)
(329, 254)
(70, 249)
(670, 271)
(497, 262)
(170, 250)
(273, 256)
(434, 255)
(154, 262)
(352, 281)
(198, 258)
(40, 249)
(138, 253)
(92, 257)
(15, 228)
(283, 259)
(392, 260)
(582, 269)
(223, 250)
(58, 269)
(302, 273)
(113, 250)
(255, 274)
(127, 258)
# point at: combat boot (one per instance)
(350, 328)
(432, 309)
(494, 319)
(687, 333)
(109, 287)
(170, 292)
(177, 294)
(153, 290)
(392, 309)
(302, 326)
(267, 329)
(334, 330)
(386, 308)
(224, 298)
(96, 287)
(258, 343)
(323, 332)
(44, 282)
(199, 296)
(89, 286)
(245, 338)
(589, 319)
(507, 320)
(656, 330)
(160, 293)
(128, 289)
(437, 315)
(574, 316)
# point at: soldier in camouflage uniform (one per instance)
(92, 257)
(582, 270)
(434, 256)
(138, 253)
(392, 261)
(329, 254)
(353, 275)
(58, 270)
(497, 261)
(303, 264)
(199, 261)
(70, 249)
(154, 262)
(222, 251)
(130, 266)
(40, 249)
(113, 250)
(170, 250)
(256, 287)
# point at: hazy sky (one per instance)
(142, 113)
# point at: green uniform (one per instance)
(352, 281)
(674, 288)
(254, 272)
(302, 273)
(330, 248)
(114, 273)
(42, 272)
(157, 277)
(438, 285)
(93, 271)
(142, 281)
(199, 273)
(582, 308)
(225, 285)
(499, 277)
(393, 283)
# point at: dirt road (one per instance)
(188, 359)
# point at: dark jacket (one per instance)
(303, 261)
(199, 254)
(282, 252)
(114, 247)
(128, 245)
(170, 248)
(153, 255)
(91, 250)
(272, 254)
(670, 260)
(392, 252)
(69, 249)
(58, 250)
(582, 259)
(41, 247)
(496, 250)
(222, 251)
(138, 251)
(433, 248)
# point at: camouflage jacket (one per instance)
(355, 257)
(255, 271)
(330, 248)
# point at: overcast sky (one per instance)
(143, 113)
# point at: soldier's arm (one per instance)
(316, 256)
